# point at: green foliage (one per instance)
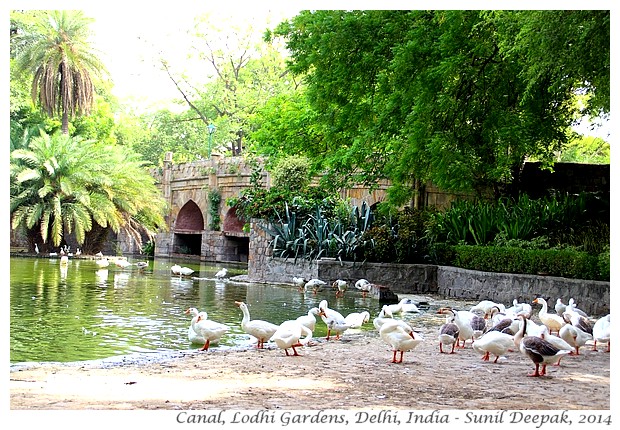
(292, 173)
(215, 197)
(400, 237)
(568, 263)
(604, 265)
(316, 236)
(63, 185)
(457, 97)
(148, 248)
(586, 149)
(56, 51)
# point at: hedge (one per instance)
(567, 263)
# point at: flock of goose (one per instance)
(512, 328)
(490, 327)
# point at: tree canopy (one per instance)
(56, 50)
(63, 185)
(459, 98)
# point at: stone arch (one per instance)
(231, 222)
(190, 218)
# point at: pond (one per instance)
(80, 312)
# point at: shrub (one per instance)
(567, 262)
(292, 172)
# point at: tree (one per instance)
(56, 50)
(62, 185)
(444, 96)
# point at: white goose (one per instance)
(560, 307)
(299, 282)
(315, 285)
(364, 286)
(328, 315)
(601, 331)
(291, 334)
(537, 349)
(102, 262)
(485, 307)
(383, 316)
(400, 336)
(552, 321)
(221, 274)
(493, 342)
(123, 264)
(261, 330)
(572, 307)
(309, 320)
(340, 286)
(175, 269)
(210, 330)
(405, 305)
(574, 337)
(357, 319)
(185, 271)
(191, 334)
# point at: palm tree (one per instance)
(63, 185)
(57, 52)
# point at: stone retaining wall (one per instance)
(591, 296)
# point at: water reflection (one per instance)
(87, 313)
(82, 312)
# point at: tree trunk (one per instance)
(65, 123)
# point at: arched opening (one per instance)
(188, 230)
(236, 241)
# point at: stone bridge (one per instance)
(192, 231)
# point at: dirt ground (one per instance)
(354, 372)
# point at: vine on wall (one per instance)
(215, 198)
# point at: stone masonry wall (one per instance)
(591, 296)
(399, 278)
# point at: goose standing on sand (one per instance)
(383, 316)
(493, 342)
(364, 286)
(331, 318)
(400, 336)
(552, 321)
(210, 330)
(537, 349)
(291, 334)
(574, 337)
(572, 307)
(601, 331)
(448, 334)
(465, 320)
(559, 307)
(261, 330)
(485, 307)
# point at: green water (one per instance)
(85, 313)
